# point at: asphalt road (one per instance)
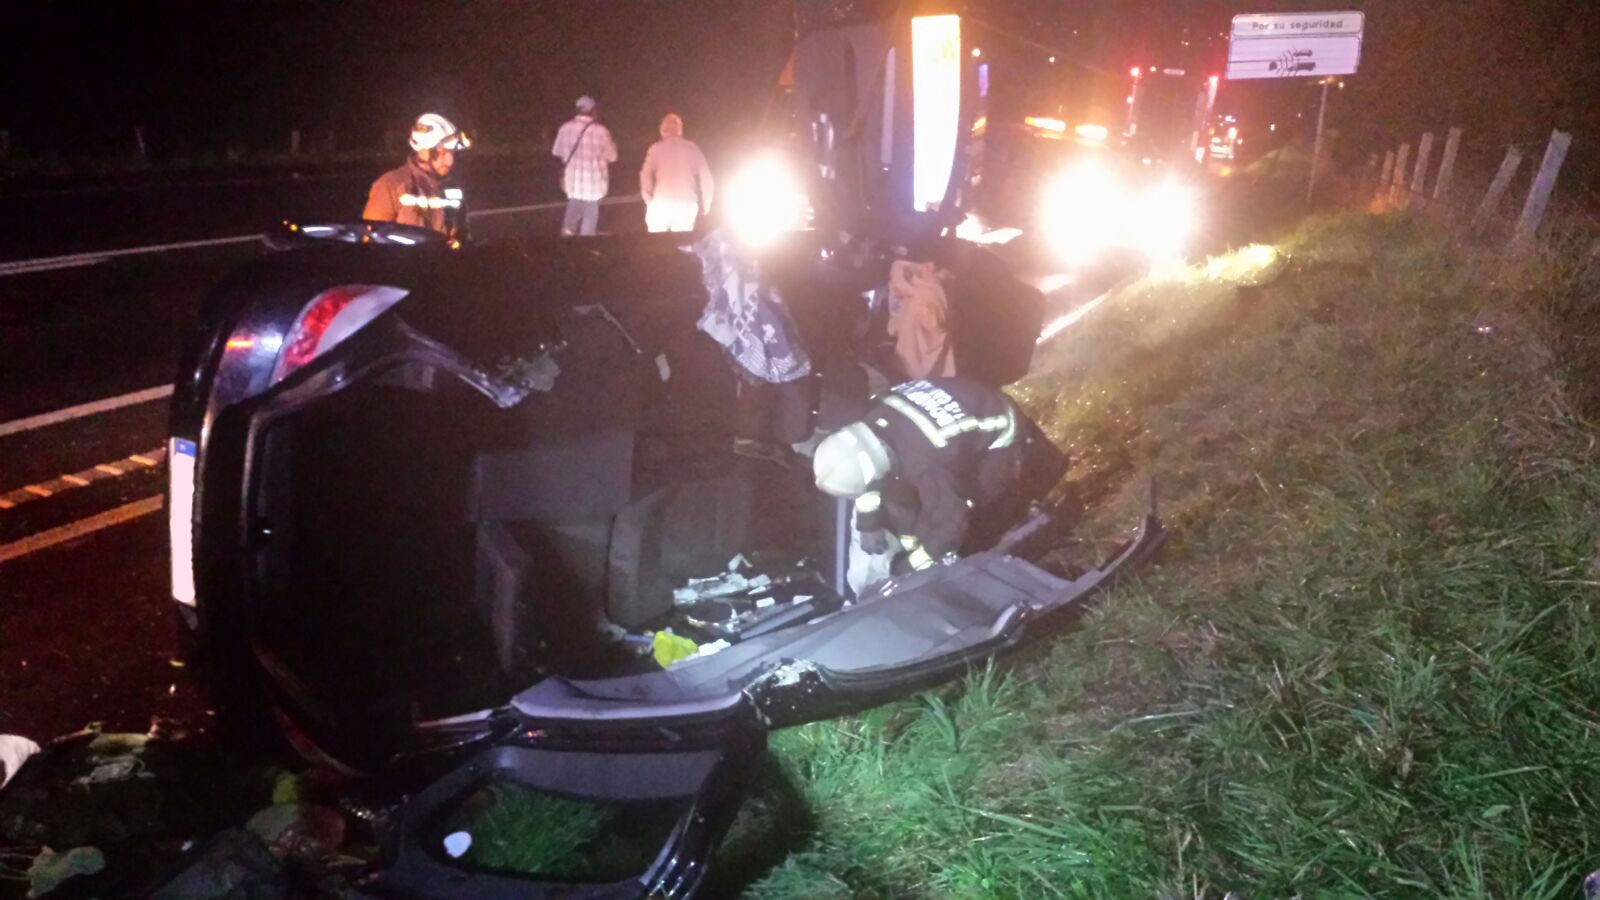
(87, 348)
(85, 628)
(150, 210)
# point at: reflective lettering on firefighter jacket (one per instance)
(411, 194)
(430, 202)
(952, 444)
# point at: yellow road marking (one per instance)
(74, 530)
(148, 460)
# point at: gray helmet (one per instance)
(850, 460)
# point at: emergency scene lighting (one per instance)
(836, 448)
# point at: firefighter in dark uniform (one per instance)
(414, 193)
(925, 456)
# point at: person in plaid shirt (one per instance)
(587, 151)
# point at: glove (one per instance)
(877, 541)
(914, 560)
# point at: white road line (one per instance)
(75, 480)
(532, 207)
(1063, 322)
(84, 409)
(18, 266)
(37, 491)
(536, 207)
(109, 469)
(25, 266)
(74, 530)
(91, 257)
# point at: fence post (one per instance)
(1447, 165)
(5, 143)
(1419, 175)
(1316, 148)
(1397, 191)
(1544, 183)
(1383, 176)
(1497, 187)
(138, 139)
(294, 142)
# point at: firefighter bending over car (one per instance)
(414, 192)
(924, 458)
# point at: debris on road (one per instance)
(165, 815)
(724, 585)
(305, 832)
(669, 648)
(234, 863)
(50, 869)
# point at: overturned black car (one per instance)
(428, 504)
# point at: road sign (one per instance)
(1294, 45)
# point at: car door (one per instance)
(689, 736)
(918, 630)
(614, 812)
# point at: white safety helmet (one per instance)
(433, 130)
(850, 460)
(585, 104)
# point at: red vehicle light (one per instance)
(328, 319)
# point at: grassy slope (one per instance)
(1366, 664)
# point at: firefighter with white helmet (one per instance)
(923, 458)
(414, 193)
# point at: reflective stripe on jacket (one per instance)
(952, 443)
(409, 194)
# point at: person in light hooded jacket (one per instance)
(675, 182)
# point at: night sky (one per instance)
(199, 76)
(209, 74)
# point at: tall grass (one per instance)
(1369, 662)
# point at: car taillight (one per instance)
(329, 318)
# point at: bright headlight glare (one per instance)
(1081, 208)
(1164, 220)
(1092, 184)
(1087, 211)
(764, 200)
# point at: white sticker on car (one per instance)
(180, 466)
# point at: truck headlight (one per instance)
(763, 200)
(1081, 211)
(1164, 220)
